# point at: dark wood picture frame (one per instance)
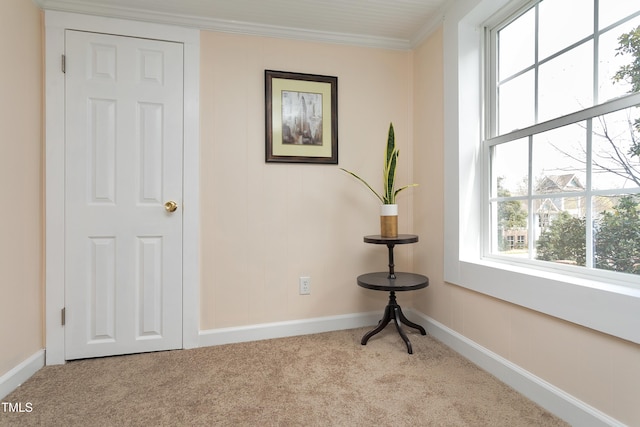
(301, 119)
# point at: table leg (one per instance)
(393, 312)
(400, 331)
(409, 323)
(381, 325)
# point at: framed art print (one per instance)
(301, 118)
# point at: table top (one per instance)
(401, 239)
(403, 282)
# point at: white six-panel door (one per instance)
(123, 163)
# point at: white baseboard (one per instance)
(556, 401)
(292, 328)
(16, 376)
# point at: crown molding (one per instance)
(221, 25)
(436, 20)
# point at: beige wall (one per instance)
(264, 225)
(601, 370)
(21, 189)
(428, 160)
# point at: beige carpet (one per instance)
(326, 379)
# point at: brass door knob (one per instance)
(171, 206)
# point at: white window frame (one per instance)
(584, 116)
(588, 301)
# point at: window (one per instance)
(602, 304)
(562, 144)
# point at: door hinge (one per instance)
(63, 315)
(64, 63)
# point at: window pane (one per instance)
(566, 83)
(510, 166)
(562, 23)
(516, 103)
(511, 236)
(516, 45)
(610, 61)
(561, 235)
(559, 160)
(616, 157)
(617, 233)
(553, 192)
(612, 11)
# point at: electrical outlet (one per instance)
(305, 285)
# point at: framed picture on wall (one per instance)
(301, 118)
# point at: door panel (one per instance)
(123, 154)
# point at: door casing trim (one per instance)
(56, 23)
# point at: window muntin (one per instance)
(561, 168)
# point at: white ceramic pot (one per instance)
(388, 210)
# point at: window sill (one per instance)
(605, 307)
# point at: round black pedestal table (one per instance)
(392, 282)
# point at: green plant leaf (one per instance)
(389, 192)
(389, 171)
(390, 178)
(365, 183)
(391, 144)
(404, 188)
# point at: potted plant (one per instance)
(389, 208)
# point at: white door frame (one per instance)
(55, 25)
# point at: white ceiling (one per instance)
(396, 24)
